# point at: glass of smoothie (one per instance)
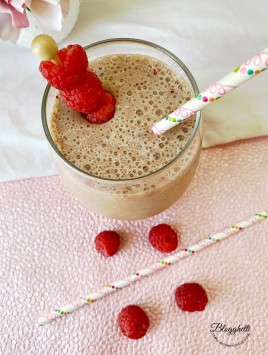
(120, 169)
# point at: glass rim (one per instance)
(126, 40)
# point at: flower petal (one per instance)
(65, 7)
(18, 20)
(19, 5)
(52, 2)
(7, 32)
(49, 16)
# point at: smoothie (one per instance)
(121, 169)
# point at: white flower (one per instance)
(49, 13)
(12, 19)
(13, 15)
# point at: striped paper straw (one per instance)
(172, 259)
(240, 75)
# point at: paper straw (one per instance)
(169, 260)
(220, 88)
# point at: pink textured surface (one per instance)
(47, 259)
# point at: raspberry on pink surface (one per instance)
(191, 297)
(133, 322)
(107, 243)
(163, 238)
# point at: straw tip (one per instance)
(42, 320)
(156, 130)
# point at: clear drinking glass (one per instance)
(140, 197)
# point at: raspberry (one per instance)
(133, 322)
(191, 297)
(71, 70)
(107, 243)
(87, 96)
(163, 238)
(105, 112)
(80, 89)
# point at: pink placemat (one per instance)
(47, 259)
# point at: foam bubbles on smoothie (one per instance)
(145, 90)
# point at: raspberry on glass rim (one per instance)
(86, 95)
(105, 112)
(67, 70)
(70, 67)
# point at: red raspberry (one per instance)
(87, 96)
(191, 297)
(107, 243)
(133, 322)
(105, 112)
(163, 238)
(72, 69)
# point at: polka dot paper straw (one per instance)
(169, 260)
(220, 88)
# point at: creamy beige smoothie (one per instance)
(123, 170)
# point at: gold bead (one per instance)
(44, 47)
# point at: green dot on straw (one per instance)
(236, 69)
(88, 300)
